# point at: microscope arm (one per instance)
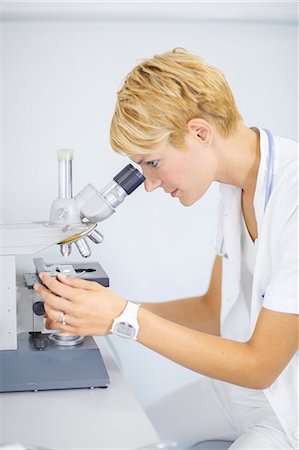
(33, 237)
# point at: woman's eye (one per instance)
(153, 163)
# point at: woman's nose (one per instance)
(151, 184)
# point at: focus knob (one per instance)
(38, 308)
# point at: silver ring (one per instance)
(62, 318)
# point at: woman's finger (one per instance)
(79, 283)
(60, 317)
(57, 287)
(52, 325)
(57, 303)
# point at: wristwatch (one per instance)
(126, 325)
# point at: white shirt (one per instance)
(274, 281)
(249, 249)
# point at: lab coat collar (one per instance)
(260, 190)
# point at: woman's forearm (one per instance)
(213, 356)
(194, 312)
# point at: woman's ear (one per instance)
(200, 129)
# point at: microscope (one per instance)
(34, 360)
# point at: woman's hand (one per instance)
(89, 308)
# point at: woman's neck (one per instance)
(238, 159)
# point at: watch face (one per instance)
(124, 330)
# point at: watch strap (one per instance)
(131, 310)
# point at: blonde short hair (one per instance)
(160, 96)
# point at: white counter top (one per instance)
(78, 419)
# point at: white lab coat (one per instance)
(275, 280)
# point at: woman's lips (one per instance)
(173, 193)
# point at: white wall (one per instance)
(61, 69)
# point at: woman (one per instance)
(177, 118)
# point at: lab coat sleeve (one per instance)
(281, 294)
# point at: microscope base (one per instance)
(56, 367)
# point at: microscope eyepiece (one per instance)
(129, 178)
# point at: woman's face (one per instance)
(185, 174)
